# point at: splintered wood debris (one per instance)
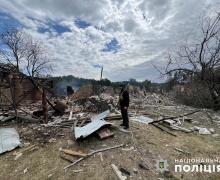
(74, 153)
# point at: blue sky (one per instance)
(55, 26)
(125, 37)
(112, 46)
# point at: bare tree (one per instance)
(199, 54)
(12, 49)
(24, 52)
(38, 58)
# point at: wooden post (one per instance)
(12, 89)
(44, 107)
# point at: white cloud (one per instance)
(143, 30)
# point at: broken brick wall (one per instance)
(108, 90)
(7, 93)
(22, 87)
(86, 91)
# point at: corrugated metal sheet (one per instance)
(97, 123)
(141, 119)
(9, 139)
(82, 132)
(100, 116)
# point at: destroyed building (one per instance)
(86, 125)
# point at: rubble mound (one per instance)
(93, 104)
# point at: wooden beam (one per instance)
(16, 153)
(13, 99)
(174, 117)
(6, 97)
(83, 121)
(25, 95)
(74, 153)
(91, 153)
(29, 113)
(44, 107)
(164, 130)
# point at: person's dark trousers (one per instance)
(124, 114)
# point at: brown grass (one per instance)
(150, 143)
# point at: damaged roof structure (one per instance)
(17, 89)
(95, 124)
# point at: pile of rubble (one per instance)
(78, 112)
(71, 111)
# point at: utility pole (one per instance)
(101, 79)
(101, 74)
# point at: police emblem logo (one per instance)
(161, 165)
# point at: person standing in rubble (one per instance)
(124, 104)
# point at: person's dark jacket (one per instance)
(124, 101)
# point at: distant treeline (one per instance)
(61, 82)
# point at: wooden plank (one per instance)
(29, 114)
(27, 118)
(70, 161)
(174, 117)
(116, 117)
(75, 122)
(71, 115)
(91, 153)
(16, 153)
(83, 121)
(164, 130)
(74, 153)
(101, 156)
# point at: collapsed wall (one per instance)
(23, 88)
(86, 91)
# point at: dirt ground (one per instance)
(143, 143)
